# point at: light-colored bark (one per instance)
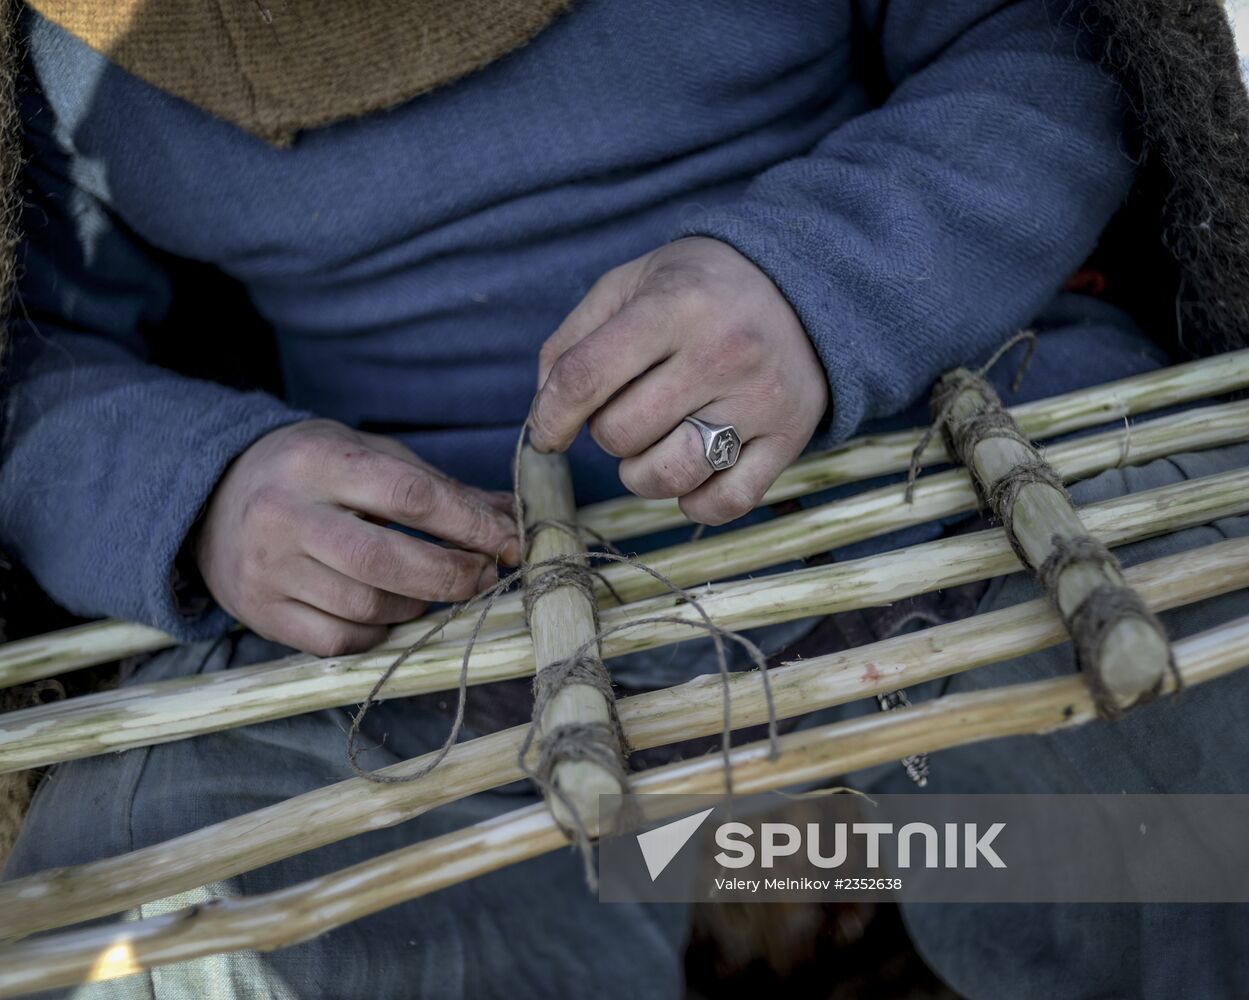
(68, 895)
(26, 660)
(561, 625)
(876, 512)
(881, 454)
(159, 712)
(627, 517)
(303, 911)
(1129, 662)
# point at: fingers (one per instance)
(408, 494)
(692, 326)
(588, 374)
(314, 631)
(671, 468)
(677, 463)
(649, 407)
(397, 563)
(604, 299)
(733, 493)
(499, 499)
(328, 590)
(677, 466)
(288, 546)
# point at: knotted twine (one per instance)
(605, 744)
(990, 422)
(1104, 606)
(1101, 610)
(917, 765)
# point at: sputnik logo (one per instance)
(662, 844)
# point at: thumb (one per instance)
(604, 299)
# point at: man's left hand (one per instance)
(692, 329)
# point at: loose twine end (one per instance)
(597, 742)
(946, 393)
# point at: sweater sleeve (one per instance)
(106, 460)
(916, 236)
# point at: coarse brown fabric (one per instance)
(276, 68)
(1178, 63)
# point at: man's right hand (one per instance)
(294, 544)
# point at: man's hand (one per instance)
(693, 329)
(293, 542)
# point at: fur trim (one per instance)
(1178, 63)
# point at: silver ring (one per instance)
(721, 443)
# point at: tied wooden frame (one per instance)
(1024, 708)
(863, 458)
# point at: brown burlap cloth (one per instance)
(274, 68)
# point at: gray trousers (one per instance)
(534, 929)
(1197, 742)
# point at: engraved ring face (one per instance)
(721, 443)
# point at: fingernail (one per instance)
(510, 553)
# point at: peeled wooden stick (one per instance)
(65, 896)
(626, 517)
(1122, 648)
(158, 712)
(876, 512)
(881, 454)
(288, 916)
(26, 660)
(563, 626)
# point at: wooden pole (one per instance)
(880, 511)
(162, 711)
(563, 624)
(627, 517)
(65, 896)
(295, 914)
(1127, 663)
(26, 660)
(882, 454)
(794, 536)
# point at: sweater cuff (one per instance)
(814, 300)
(226, 433)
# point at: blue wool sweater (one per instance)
(917, 178)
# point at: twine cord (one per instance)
(1101, 610)
(986, 424)
(603, 743)
(1105, 605)
(1003, 493)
